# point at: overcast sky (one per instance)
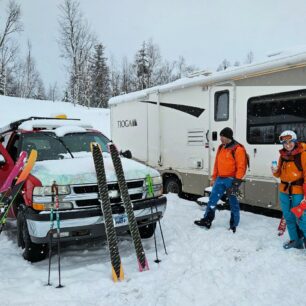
(203, 31)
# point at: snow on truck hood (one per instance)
(81, 170)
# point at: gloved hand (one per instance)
(235, 184)
(299, 210)
(234, 189)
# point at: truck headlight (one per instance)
(46, 190)
(48, 206)
(157, 183)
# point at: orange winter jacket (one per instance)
(230, 161)
(288, 171)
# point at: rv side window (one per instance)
(221, 106)
(268, 116)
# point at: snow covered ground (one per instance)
(214, 267)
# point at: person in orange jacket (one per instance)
(229, 169)
(291, 170)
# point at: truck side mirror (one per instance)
(1, 138)
(127, 154)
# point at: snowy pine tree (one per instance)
(128, 82)
(142, 68)
(100, 79)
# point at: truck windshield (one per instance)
(50, 148)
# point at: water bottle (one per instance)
(274, 165)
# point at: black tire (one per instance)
(147, 231)
(32, 252)
(172, 185)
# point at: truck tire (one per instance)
(172, 184)
(32, 252)
(147, 231)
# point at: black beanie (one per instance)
(227, 132)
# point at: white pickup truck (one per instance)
(64, 156)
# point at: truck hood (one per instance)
(81, 170)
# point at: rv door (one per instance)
(221, 116)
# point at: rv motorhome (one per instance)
(175, 127)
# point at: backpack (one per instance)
(233, 150)
(297, 159)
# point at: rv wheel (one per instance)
(172, 185)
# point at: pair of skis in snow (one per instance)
(117, 270)
(9, 193)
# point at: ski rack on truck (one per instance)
(14, 125)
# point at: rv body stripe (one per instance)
(191, 110)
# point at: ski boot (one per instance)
(296, 244)
(231, 223)
(204, 222)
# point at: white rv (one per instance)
(175, 127)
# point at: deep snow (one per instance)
(214, 267)
(13, 109)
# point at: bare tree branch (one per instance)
(12, 24)
(76, 42)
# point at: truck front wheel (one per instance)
(32, 252)
(147, 231)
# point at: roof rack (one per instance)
(14, 125)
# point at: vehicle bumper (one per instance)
(89, 223)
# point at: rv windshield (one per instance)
(51, 148)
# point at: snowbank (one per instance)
(11, 108)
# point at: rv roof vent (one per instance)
(199, 72)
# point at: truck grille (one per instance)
(114, 186)
(136, 192)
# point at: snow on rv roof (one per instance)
(285, 58)
(50, 124)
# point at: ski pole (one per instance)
(55, 188)
(157, 260)
(150, 193)
(161, 231)
(51, 235)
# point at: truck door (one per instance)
(221, 116)
(6, 164)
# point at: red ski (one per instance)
(8, 200)
(18, 166)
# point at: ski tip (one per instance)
(112, 147)
(94, 144)
(144, 267)
(121, 275)
(118, 277)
